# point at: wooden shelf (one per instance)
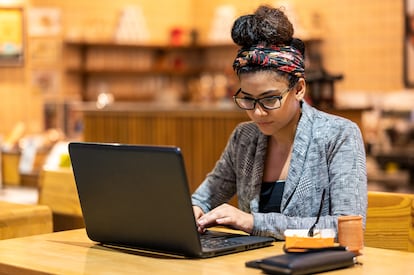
(112, 44)
(133, 69)
(126, 71)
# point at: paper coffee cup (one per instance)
(350, 233)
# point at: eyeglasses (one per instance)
(268, 103)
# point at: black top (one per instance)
(271, 196)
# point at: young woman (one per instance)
(290, 157)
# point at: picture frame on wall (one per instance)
(44, 21)
(409, 43)
(12, 44)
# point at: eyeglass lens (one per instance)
(267, 102)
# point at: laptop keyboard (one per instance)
(217, 240)
(217, 243)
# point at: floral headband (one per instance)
(283, 58)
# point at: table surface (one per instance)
(72, 252)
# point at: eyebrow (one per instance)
(262, 94)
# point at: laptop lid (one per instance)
(136, 196)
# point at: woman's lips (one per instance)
(263, 123)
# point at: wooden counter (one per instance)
(201, 131)
(71, 252)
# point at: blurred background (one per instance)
(135, 71)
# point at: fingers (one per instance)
(225, 221)
(220, 215)
(205, 221)
(226, 215)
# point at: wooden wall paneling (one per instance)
(122, 125)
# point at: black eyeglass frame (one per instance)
(259, 100)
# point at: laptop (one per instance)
(137, 196)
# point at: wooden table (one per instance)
(71, 252)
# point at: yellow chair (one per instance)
(390, 218)
(57, 190)
(20, 220)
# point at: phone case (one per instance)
(305, 263)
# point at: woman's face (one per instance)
(262, 84)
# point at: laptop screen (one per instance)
(135, 195)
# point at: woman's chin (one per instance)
(266, 130)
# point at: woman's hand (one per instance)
(226, 214)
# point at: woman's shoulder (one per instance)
(324, 119)
(329, 126)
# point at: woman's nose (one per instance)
(259, 111)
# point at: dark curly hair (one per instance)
(266, 26)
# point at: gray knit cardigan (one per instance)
(328, 153)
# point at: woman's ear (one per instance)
(300, 89)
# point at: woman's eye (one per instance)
(269, 100)
(248, 98)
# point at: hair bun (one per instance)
(244, 30)
(267, 25)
